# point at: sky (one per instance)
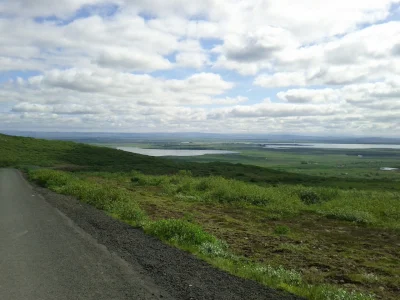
(223, 66)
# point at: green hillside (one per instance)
(22, 151)
(25, 152)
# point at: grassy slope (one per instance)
(21, 151)
(124, 199)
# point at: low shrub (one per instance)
(184, 173)
(271, 275)
(92, 193)
(50, 178)
(180, 232)
(281, 229)
(129, 211)
(309, 197)
(219, 249)
(333, 293)
(360, 217)
(327, 194)
(111, 199)
(147, 180)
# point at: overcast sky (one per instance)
(259, 66)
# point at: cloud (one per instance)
(359, 56)
(255, 46)
(30, 107)
(230, 100)
(367, 98)
(191, 60)
(154, 65)
(10, 64)
(269, 109)
(70, 109)
(132, 60)
(207, 83)
(283, 79)
(44, 7)
(119, 92)
(396, 50)
(309, 96)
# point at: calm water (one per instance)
(388, 169)
(173, 152)
(331, 146)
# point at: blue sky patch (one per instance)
(13, 75)
(105, 11)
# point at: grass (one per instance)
(362, 207)
(181, 232)
(185, 234)
(360, 217)
(282, 230)
(115, 201)
(262, 231)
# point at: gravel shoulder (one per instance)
(179, 274)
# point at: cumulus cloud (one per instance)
(256, 46)
(360, 56)
(74, 109)
(396, 50)
(121, 92)
(282, 79)
(133, 60)
(44, 7)
(200, 65)
(191, 60)
(309, 96)
(269, 109)
(365, 98)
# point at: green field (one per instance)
(288, 219)
(325, 167)
(321, 162)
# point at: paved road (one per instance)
(43, 255)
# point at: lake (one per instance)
(173, 152)
(330, 146)
(388, 169)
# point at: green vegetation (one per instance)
(364, 207)
(24, 153)
(187, 236)
(345, 168)
(300, 227)
(116, 201)
(180, 232)
(281, 229)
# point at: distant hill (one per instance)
(25, 152)
(106, 137)
(20, 151)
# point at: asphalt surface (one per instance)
(43, 255)
(54, 247)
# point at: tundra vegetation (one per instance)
(295, 232)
